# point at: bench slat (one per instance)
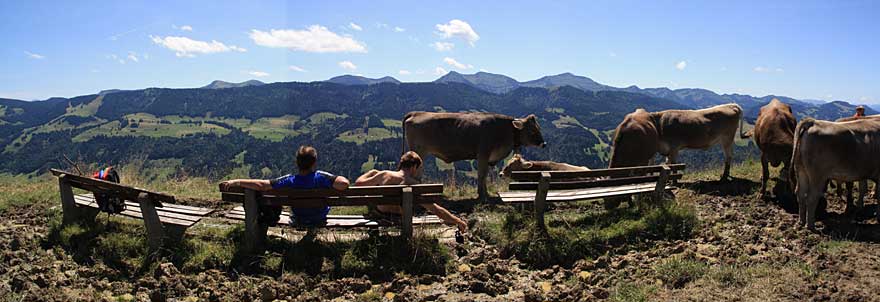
(166, 208)
(574, 196)
(129, 212)
(91, 184)
(565, 185)
(392, 190)
(335, 201)
(348, 222)
(132, 208)
(610, 172)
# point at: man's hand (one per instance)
(226, 185)
(462, 226)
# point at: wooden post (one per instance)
(541, 199)
(155, 233)
(254, 234)
(406, 226)
(68, 204)
(661, 184)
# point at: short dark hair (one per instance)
(409, 159)
(306, 157)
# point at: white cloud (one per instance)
(459, 29)
(404, 72)
(314, 39)
(186, 47)
(347, 65)
(354, 26)
(259, 74)
(442, 46)
(452, 62)
(296, 68)
(186, 28)
(116, 58)
(763, 69)
(681, 65)
(440, 71)
(399, 29)
(35, 56)
(132, 56)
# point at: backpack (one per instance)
(107, 203)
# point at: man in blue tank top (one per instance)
(307, 178)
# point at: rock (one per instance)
(585, 276)
(464, 268)
(390, 296)
(166, 269)
(267, 293)
(546, 287)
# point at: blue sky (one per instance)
(803, 49)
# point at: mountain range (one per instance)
(251, 129)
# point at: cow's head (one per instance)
(635, 140)
(529, 131)
(515, 163)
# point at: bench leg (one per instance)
(661, 185)
(155, 231)
(541, 200)
(406, 226)
(254, 233)
(68, 204)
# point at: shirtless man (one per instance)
(408, 173)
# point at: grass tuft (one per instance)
(677, 271)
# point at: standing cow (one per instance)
(774, 135)
(643, 134)
(486, 137)
(863, 184)
(824, 150)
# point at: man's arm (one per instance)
(340, 183)
(444, 215)
(369, 179)
(253, 184)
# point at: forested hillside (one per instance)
(254, 130)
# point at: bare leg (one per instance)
(765, 174)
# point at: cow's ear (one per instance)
(518, 124)
(528, 165)
(531, 117)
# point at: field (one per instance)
(713, 241)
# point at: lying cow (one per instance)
(824, 150)
(486, 137)
(517, 163)
(774, 135)
(643, 134)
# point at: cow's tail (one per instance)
(747, 134)
(403, 147)
(799, 131)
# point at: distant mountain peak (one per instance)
(495, 83)
(218, 84)
(349, 79)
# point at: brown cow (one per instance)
(863, 184)
(643, 134)
(826, 150)
(486, 137)
(774, 135)
(517, 163)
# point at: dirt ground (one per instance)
(745, 249)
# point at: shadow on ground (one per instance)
(731, 187)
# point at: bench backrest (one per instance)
(563, 180)
(353, 196)
(109, 188)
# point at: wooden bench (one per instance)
(540, 187)
(162, 219)
(403, 195)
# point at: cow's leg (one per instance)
(765, 173)
(812, 202)
(482, 171)
(863, 190)
(728, 157)
(848, 196)
(802, 193)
